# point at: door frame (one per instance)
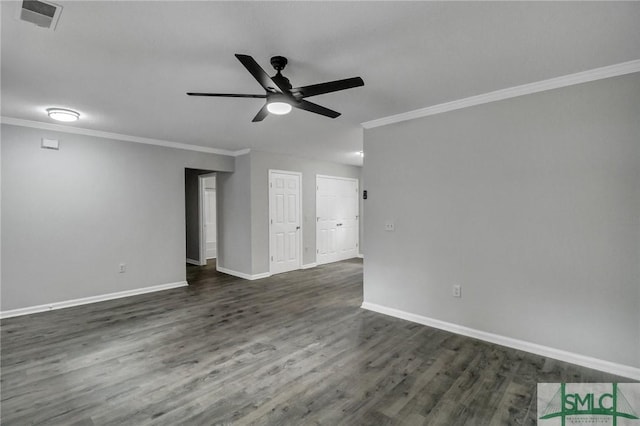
(270, 218)
(357, 181)
(201, 218)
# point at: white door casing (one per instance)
(206, 221)
(210, 222)
(285, 233)
(337, 219)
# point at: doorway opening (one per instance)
(200, 216)
(208, 239)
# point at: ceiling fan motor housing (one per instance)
(281, 81)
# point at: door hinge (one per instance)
(272, 258)
(317, 219)
(272, 221)
(317, 250)
(270, 184)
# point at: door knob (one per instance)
(297, 227)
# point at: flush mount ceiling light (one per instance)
(61, 114)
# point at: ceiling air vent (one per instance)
(40, 13)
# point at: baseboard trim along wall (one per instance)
(91, 299)
(582, 360)
(309, 265)
(193, 262)
(242, 274)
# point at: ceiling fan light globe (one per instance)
(279, 108)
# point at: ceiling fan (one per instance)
(280, 95)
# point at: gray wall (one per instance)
(532, 204)
(234, 217)
(261, 162)
(70, 217)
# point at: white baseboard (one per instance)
(260, 276)
(361, 256)
(582, 360)
(242, 274)
(193, 262)
(86, 300)
(309, 265)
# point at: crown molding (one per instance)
(511, 92)
(118, 136)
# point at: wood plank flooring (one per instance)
(293, 349)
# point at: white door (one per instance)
(210, 222)
(284, 220)
(337, 219)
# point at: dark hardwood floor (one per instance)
(293, 349)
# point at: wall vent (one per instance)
(40, 13)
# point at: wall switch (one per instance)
(123, 268)
(457, 291)
(389, 226)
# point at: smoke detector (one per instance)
(41, 13)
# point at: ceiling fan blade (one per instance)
(261, 114)
(331, 86)
(310, 106)
(227, 95)
(259, 74)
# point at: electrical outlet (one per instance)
(457, 291)
(389, 226)
(123, 268)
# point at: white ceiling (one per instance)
(127, 65)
